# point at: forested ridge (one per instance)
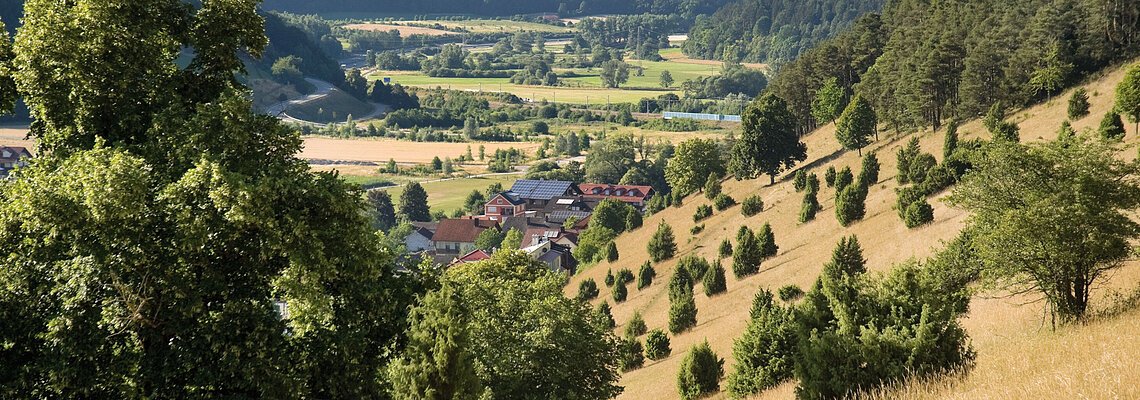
(921, 63)
(771, 31)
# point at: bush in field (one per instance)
(636, 325)
(588, 290)
(610, 277)
(696, 266)
(682, 306)
(918, 213)
(800, 181)
(611, 252)
(829, 177)
(714, 281)
(604, 315)
(703, 211)
(790, 292)
(752, 205)
(843, 179)
(905, 155)
(700, 372)
(663, 245)
(624, 276)
(619, 292)
(697, 229)
(849, 204)
(712, 186)
(657, 345)
(747, 256)
(630, 356)
(767, 241)
(723, 201)
(869, 175)
(765, 353)
(725, 248)
(645, 276)
(1078, 104)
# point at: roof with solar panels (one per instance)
(529, 189)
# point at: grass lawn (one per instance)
(584, 89)
(449, 195)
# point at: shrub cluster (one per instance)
(703, 211)
(723, 201)
(588, 290)
(752, 205)
(700, 372)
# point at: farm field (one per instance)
(381, 150)
(675, 55)
(404, 30)
(448, 195)
(14, 136)
(491, 26)
(1018, 355)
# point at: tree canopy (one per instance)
(769, 144)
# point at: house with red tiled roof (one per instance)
(471, 256)
(634, 195)
(457, 236)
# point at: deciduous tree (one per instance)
(769, 143)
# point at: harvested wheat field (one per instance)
(404, 30)
(15, 136)
(1018, 355)
(381, 150)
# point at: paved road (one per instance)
(322, 90)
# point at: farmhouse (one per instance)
(457, 236)
(12, 157)
(538, 193)
(421, 237)
(504, 205)
(634, 195)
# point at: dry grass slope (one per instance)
(1018, 356)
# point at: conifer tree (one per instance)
(714, 281)
(657, 345)
(869, 174)
(636, 325)
(1111, 127)
(712, 186)
(828, 102)
(1078, 104)
(611, 252)
(436, 363)
(663, 245)
(1128, 96)
(645, 276)
(765, 352)
(682, 309)
(700, 372)
(767, 241)
(414, 203)
(725, 248)
(950, 143)
(619, 292)
(747, 256)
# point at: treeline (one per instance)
(921, 64)
(771, 31)
(687, 8)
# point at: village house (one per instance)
(12, 157)
(634, 195)
(457, 236)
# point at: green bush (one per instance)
(663, 245)
(682, 310)
(920, 165)
(829, 177)
(812, 183)
(1078, 104)
(800, 181)
(624, 276)
(723, 201)
(611, 252)
(767, 241)
(869, 175)
(765, 353)
(725, 248)
(918, 213)
(752, 205)
(843, 179)
(714, 281)
(905, 197)
(849, 204)
(747, 256)
(712, 186)
(697, 229)
(636, 325)
(604, 315)
(809, 208)
(905, 155)
(609, 277)
(1006, 131)
(657, 345)
(1111, 127)
(703, 211)
(938, 179)
(790, 292)
(630, 355)
(700, 372)
(619, 292)
(645, 276)
(588, 290)
(695, 266)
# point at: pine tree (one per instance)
(605, 317)
(588, 289)
(1111, 127)
(905, 156)
(385, 213)
(767, 241)
(700, 372)
(765, 352)
(869, 174)
(828, 102)
(747, 256)
(1128, 96)
(619, 292)
(435, 363)
(630, 354)
(849, 204)
(645, 276)
(950, 143)
(663, 245)
(636, 325)
(714, 281)
(725, 248)
(829, 176)
(657, 345)
(800, 180)
(810, 207)
(610, 277)
(1079, 104)
(682, 310)
(612, 252)
(712, 186)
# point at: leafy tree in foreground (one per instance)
(700, 373)
(489, 239)
(512, 240)
(663, 245)
(188, 217)
(437, 363)
(1033, 238)
(770, 143)
(657, 345)
(856, 126)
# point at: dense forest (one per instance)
(922, 63)
(771, 31)
(688, 8)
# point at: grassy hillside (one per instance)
(1018, 357)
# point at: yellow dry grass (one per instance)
(381, 150)
(15, 136)
(993, 324)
